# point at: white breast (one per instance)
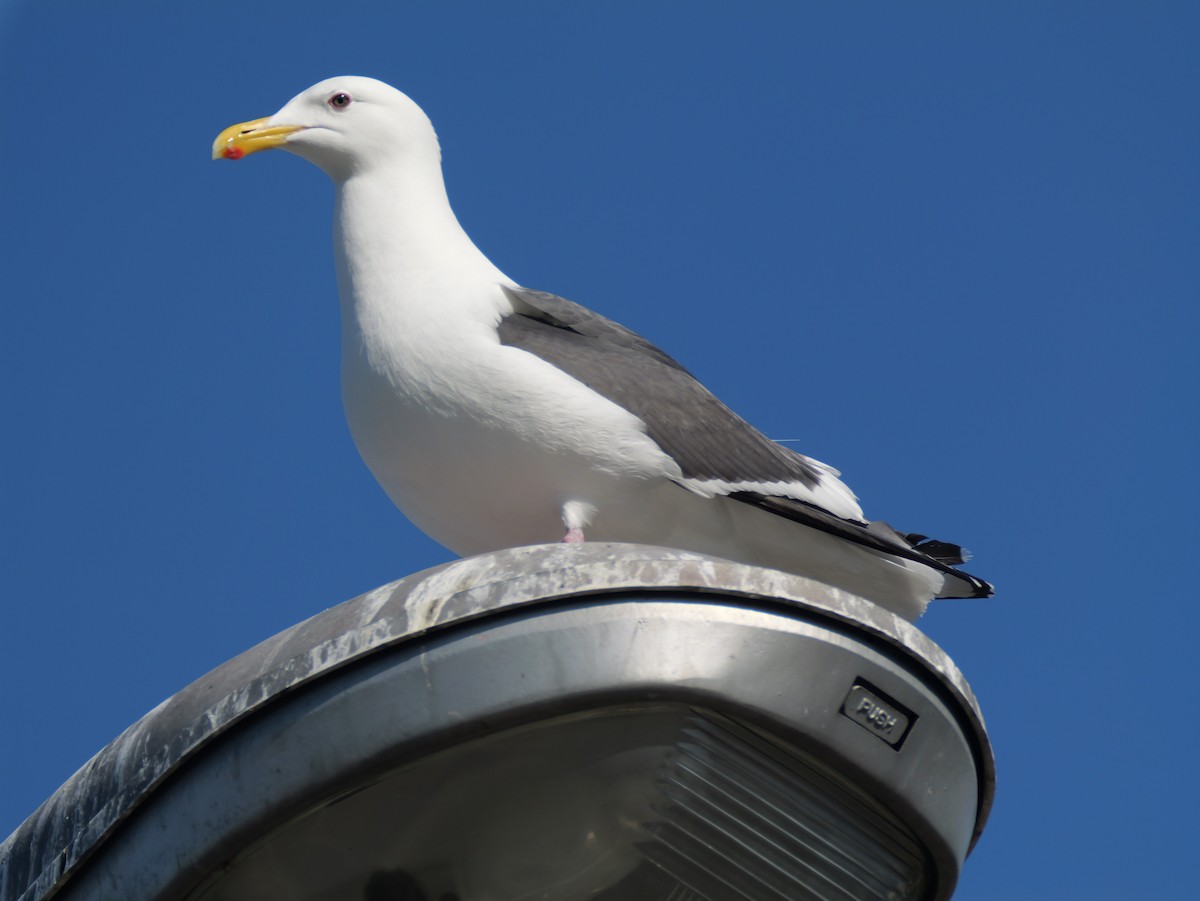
(480, 444)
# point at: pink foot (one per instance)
(573, 536)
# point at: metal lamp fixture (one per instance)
(556, 723)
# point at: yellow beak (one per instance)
(245, 138)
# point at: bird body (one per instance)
(496, 416)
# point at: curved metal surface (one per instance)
(77, 818)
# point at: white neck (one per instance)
(405, 266)
(397, 224)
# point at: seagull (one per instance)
(495, 415)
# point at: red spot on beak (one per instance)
(233, 153)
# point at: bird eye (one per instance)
(340, 100)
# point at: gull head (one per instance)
(345, 125)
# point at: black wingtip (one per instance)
(940, 555)
(942, 551)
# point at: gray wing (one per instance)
(705, 437)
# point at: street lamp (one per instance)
(555, 722)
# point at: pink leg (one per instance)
(573, 536)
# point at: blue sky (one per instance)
(951, 247)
